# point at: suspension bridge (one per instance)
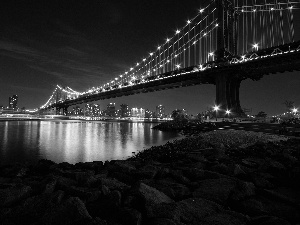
(227, 42)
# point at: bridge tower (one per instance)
(227, 85)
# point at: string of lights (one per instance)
(260, 26)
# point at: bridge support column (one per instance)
(221, 91)
(57, 110)
(228, 94)
(65, 110)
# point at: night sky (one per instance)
(86, 43)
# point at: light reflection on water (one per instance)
(75, 141)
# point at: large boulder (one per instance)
(13, 193)
(217, 190)
(151, 197)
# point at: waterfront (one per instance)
(75, 141)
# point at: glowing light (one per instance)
(255, 46)
(211, 54)
(144, 60)
(188, 21)
(177, 31)
(168, 61)
(137, 64)
(227, 112)
(216, 108)
(151, 53)
(243, 57)
(217, 25)
(126, 72)
(201, 10)
(291, 7)
(254, 10)
(272, 9)
(295, 110)
(158, 47)
(121, 76)
(194, 42)
(131, 69)
(116, 78)
(178, 66)
(204, 34)
(176, 56)
(168, 40)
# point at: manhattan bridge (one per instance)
(227, 42)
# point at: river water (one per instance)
(75, 141)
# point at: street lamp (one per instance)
(255, 46)
(295, 110)
(227, 112)
(216, 108)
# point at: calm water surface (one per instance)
(75, 141)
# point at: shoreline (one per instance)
(235, 177)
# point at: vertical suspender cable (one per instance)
(292, 25)
(281, 27)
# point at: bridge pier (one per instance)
(227, 93)
(65, 110)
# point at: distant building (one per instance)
(149, 114)
(160, 111)
(124, 111)
(77, 111)
(138, 112)
(111, 110)
(96, 110)
(13, 102)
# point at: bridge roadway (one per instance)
(254, 69)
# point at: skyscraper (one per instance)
(160, 111)
(124, 112)
(13, 101)
(111, 109)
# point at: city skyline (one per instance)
(82, 45)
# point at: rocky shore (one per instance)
(216, 178)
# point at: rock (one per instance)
(252, 207)
(130, 216)
(124, 166)
(220, 168)
(238, 171)
(147, 172)
(199, 211)
(123, 177)
(83, 177)
(199, 174)
(242, 191)
(178, 176)
(172, 189)
(161, 221)
(43, 166)
(152, 197)
(33, 208)
(273, 166)
(104, 190)
(50, 184)
(72, 211)
(65, 184)
(261, 182)
(115, 198)
(217, 190)
(268, 220)
(84, 193)
(11, 194)
(114, 184)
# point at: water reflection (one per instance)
(75, 141)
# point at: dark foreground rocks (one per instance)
(254, 185)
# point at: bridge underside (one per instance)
(226, 77)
